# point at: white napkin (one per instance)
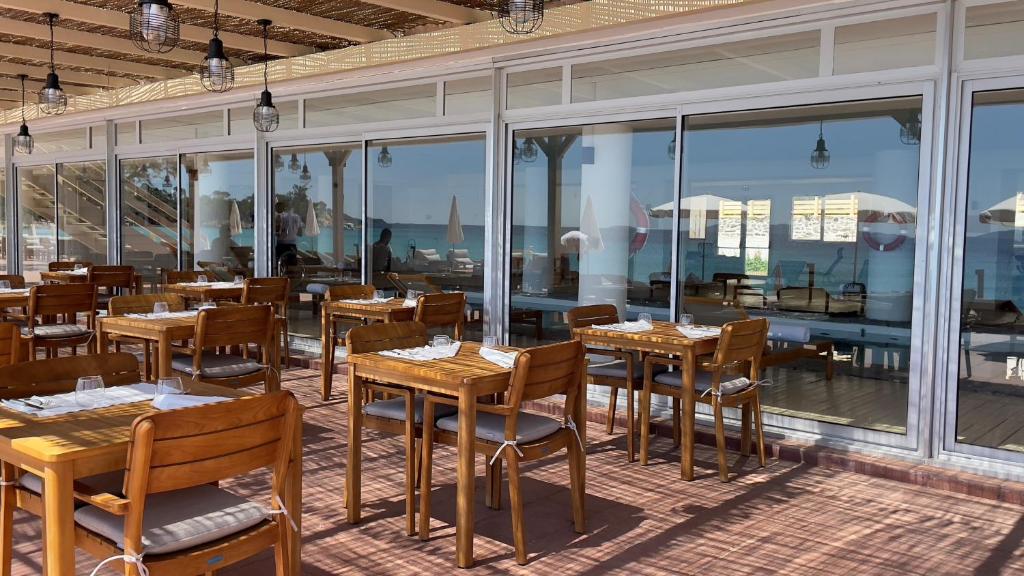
(503, 359)
(165, 315)
(368, 301)
(636, 326)
(79, 272)
(175, 401)
(697, 333)
(14, 290)
(58, 404)
(424, 353)
(407, 303)
(211, 284)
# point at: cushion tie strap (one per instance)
(571, 425)
(8, 483)
(282, 511)
(505, 444)
(137, 560)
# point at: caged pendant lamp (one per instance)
(52, 99)
(520, 16)
(265, 116)
(820, 157)
(154, 26)
(23, 142)
(216, 72)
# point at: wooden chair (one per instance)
(226, 327)
(739, 350)
(402, 283)
(273, 291)
(350, 292)
(10, 343)
(402, 415)
(613, 368)
(63, 303)
(179, 276)
(442, 310)
(66, 266)
(111, 281)
(17, 282)
(192, 526)
(505, 431)
(141, 304)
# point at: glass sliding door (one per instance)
(591, 223)
(81, 211)
(990, 388)
(217, 213)
(36, 200)
(4, 262)
(808, 216)
(149, 215)
(318, 226)
(426, 215)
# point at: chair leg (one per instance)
(613, 400)
(493, 481)
(723, 464)
(516, 503)
(410, 468)
(630, 421)
(761, 456)
(7, 497)
(147, 361)
(677, 424)
(745, 429)
(426, 468)
(577, 467)
(287, 346)
(645, 423)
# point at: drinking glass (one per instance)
(413, 294)
(160, 308)
(490, 341)
(645, 317)
(239, 279)
(442, 341)
(86, 391)
(5, 285)
(205, 305)
(78, 266)
(171, 385)
(201, 279)
(378, 295)
(686, 319)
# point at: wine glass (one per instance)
(413, 295)
(161, 308)
(239, 279)
(201, 279)
(645, 318)
(442, 341)
(490, 341)
(170, 385)
(686, 319)
(378, 295)
(89, 391)
(78, 266)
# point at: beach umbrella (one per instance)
(455, 233)
(590, 228)
(235, 219)
(312, 228)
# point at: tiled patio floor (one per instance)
(786, 519)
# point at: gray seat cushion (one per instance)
(217, 365)
(612, 367)
(111, 482)
(57, 331)
(179, 520)
(317, 288)
(491, 427)
(702, 380)
(395, 409)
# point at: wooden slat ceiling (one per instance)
(94, 51)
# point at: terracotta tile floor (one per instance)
(788, 518)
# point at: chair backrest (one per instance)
(66, 266)
(112, 277)
(62, 299)
(177, 449)
(742, 342)
(10, 343)
(180, 276)
(405, 282)
(16, 280)
(143, 303)
(593, 315)
(545, 371)
(267, 291)
(441, 310)
(54, 375)
(235, 325)
(713, 311)
(389, 336)
(351, 292)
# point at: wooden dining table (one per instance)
(664, 338)
(206, 291)
(62, 449)
(69, 277)
(393, 310)
(17, 298)
(466, 376)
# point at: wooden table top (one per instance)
(447, 375)
(13, 299)
(225, 290)
(140, 326)
(344, 307)
(82, 434)
(63, 276)
(663, 338)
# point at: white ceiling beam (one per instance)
(292, 19)
(32, 87)
(94, 62)
(98, 80)
(435, 9)
(117, 19)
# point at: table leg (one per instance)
(59, 520)
(353, 472)
(163, 353)
(689, 413)
(293, 499)
(327, 354)
(102, 341)
(466, 478)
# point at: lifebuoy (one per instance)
(895, 243)
(643, 223)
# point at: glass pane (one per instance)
(989, 404)
(36, 197)
(241, 118)
(591, 223)
(825, 251)
(534, 88)
(99, 137)
(81, 216)
(3, 218)
(149, 215)
(426, 215)
(994, 30)
(126, 135)
(468, 96)
(372, 106)
(64, 141)
(217, 203)
(897, 43)
(748, 62)
(188, 127)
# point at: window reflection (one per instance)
(149, 215)
(36, 198)
(217, 213)
(81, 211)
(4, 263)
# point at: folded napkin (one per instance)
(636, 326)
(408, 303)
(165, 315)
(175, 401)
(210, 284)
(66, 403)
(368, 301)
(503, 359)
(424, 353)
(79, 272)
(698, 332)
(14, 291)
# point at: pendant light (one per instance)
(293, 163)
(820, 157)
(672, 148)
(517, 153)
(265, 116)
(216, 72)
(154, 26)
(23, 142)
(384, 159)
(168, 184)
(520, 16)
(529, 151)
(52, 99)
(910, 129)
(278, 162)
(305, 176)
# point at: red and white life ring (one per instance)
(643, 223)
(874, 243)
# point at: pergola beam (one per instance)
(117, 19)
(97, 80)
(31, 88)
(84, 61)
(292, 19)
(435, 9)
